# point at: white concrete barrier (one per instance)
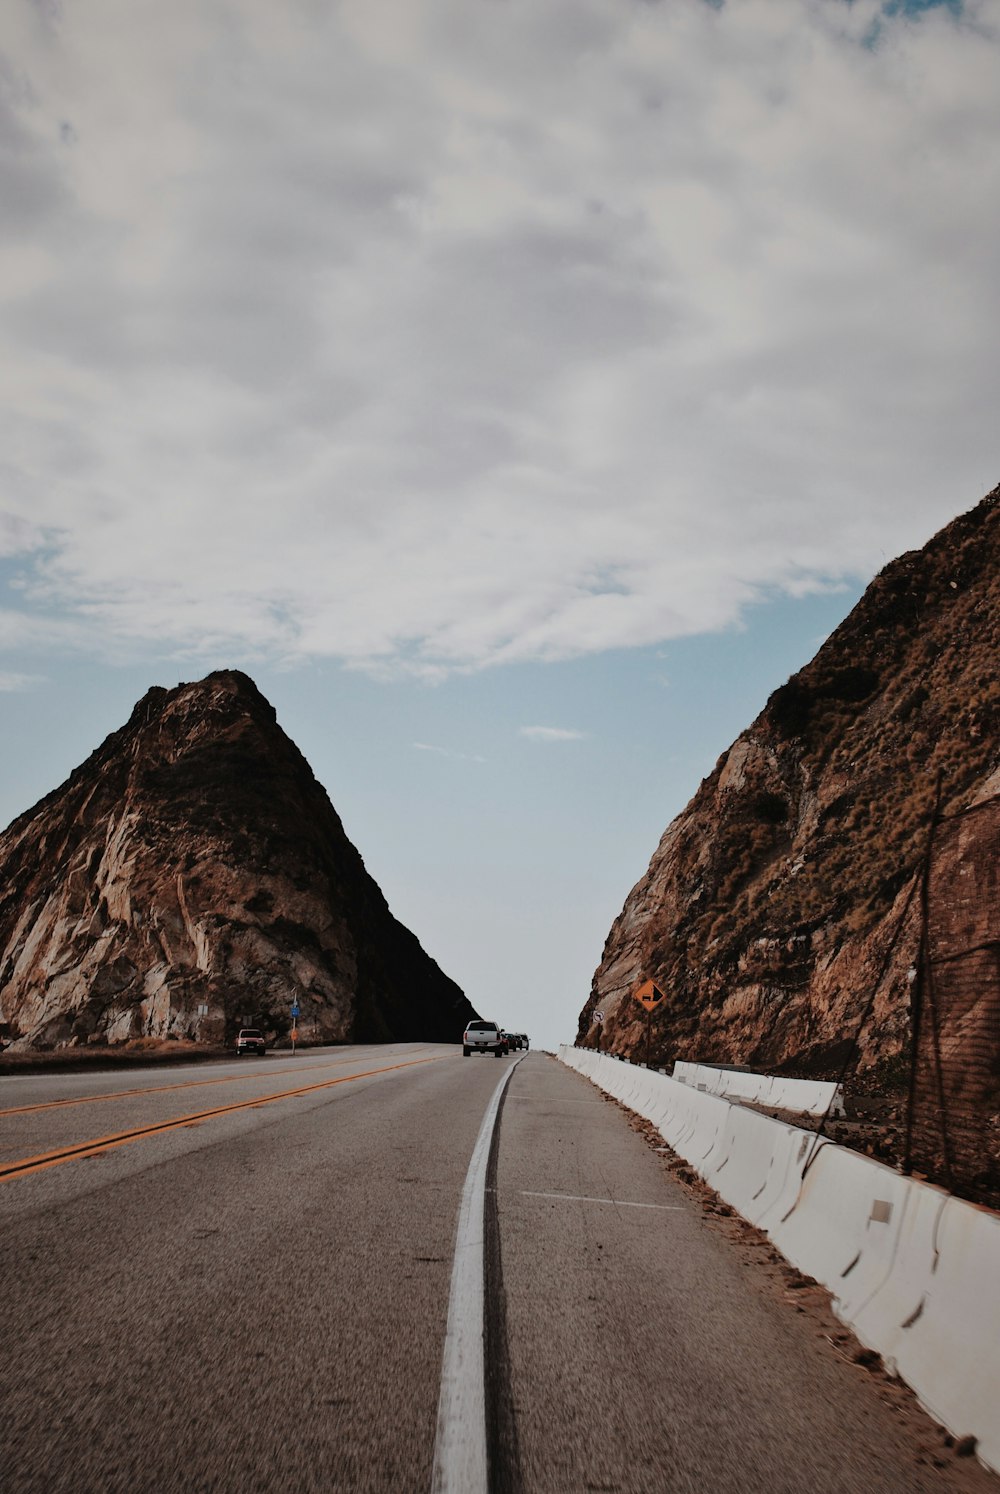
(792, 1155)
(950, 1351)
(759, 1156)
(897, 1303)
(807, 1096)
(914, 1272)
(844, 1225)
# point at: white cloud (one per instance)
(552, 734)
(428, 339)
(465, 757)
(11, 681)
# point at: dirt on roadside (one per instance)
(143, 1052)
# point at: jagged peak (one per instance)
(195, 861)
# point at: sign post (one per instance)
(650, 996)
(599, 1019)
(295, 1025)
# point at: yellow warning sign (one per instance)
(650, 995)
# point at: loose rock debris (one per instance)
(933, 1446)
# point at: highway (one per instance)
(242, 1277)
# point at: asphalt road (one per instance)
(254, 1296)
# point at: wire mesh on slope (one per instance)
(954, 1116)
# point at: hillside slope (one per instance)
(768, 907)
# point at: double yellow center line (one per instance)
(162, 1089)
(79, 1150)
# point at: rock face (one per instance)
(191, 876)
(769, 908)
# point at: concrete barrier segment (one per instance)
(786, 1199)
(780, 1194)
(633, 1090)
(693, 1125)
(755, 1164)
(745, 1086)
(661, 1111)
(807, 1096)
(711, 1132)
(869, 1203)
(949, 1351)
(847, 1204)
(884, 1319)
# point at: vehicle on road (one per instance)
(484, 1037)
(250, 1040)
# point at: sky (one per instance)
(518, 390)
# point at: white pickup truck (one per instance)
(484, 1037)
(250, 1040)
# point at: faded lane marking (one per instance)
(28, 1165)
(619, 1203)
(163, 1089)
(555, 1100)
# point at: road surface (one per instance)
(240, 1278)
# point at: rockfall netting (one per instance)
(953, 1133)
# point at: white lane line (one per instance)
(619, 1203)
(460, 1445)
(554, 1100)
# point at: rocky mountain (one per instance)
(191, 876)
(769, 907)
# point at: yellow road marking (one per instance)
(162, 1089)
(27, 1165)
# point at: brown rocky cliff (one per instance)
(768, 908)
(193, 860)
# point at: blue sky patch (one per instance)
(917, 7)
